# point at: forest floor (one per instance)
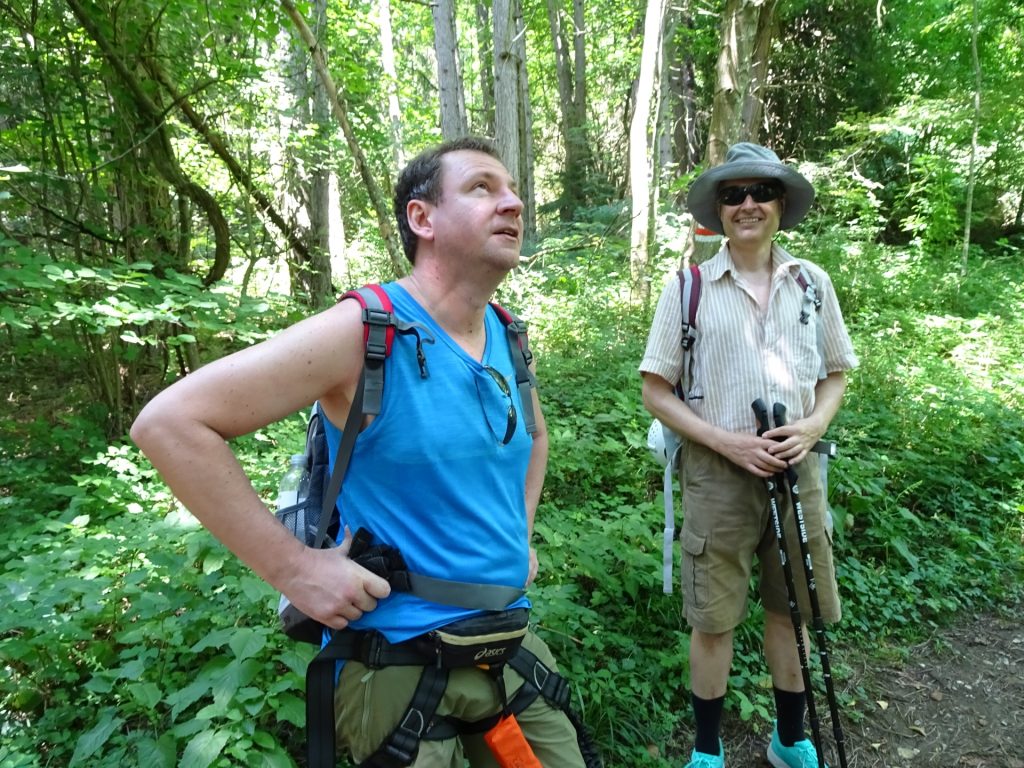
(955, 700)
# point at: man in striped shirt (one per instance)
(751, 343)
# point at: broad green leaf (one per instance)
(247, 642)
(147, 694)
(91, 741)
(292, 709)
(153, 753)
(204, 748)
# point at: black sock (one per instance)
(708, 714)
(789, 706)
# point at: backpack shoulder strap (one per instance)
(812, 302)
(689, 299)
(522, 358)
(379, 328)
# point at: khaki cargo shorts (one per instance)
(727, 525)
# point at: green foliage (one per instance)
(133, 321)
(828, 59)
(132, 637)
(598, 601)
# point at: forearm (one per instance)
(828, 396)
(661, 401)
(202, 472)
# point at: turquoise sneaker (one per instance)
(800, 755)
(704, 760)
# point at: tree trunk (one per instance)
(526, 156)
(317, 277)
(162, 153)
(976, 120)
(449, 78)
(380, 205)
(753, 103)
(219, 147)
(740, 24)
(306, 178)
(665, 119)
(579, 46)
(681, 100)
(732, 77)
(506, 85)
(485, 52)
(572, 174)
(387, 56)
(640, 155)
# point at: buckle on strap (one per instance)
(687, 339)
(376, 341)
(371, 650)
(404, 741)
(552, 687)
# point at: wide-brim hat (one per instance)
(749, 161)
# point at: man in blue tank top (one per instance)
(447, 473)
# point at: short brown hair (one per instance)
(421, 180)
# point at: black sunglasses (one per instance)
(511, 419)
(761, 191)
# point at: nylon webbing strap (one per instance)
(673, 445)
(379, 324)
(345, 447)
(400, 748)
(811, 301)
(669, 536)
(463, 594)
(522, 357)
(689, 300)
(526, 382)
(552, 686)
(538, 680)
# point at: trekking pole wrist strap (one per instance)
(825, 448)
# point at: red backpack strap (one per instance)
(379, 328)
(378, 312)
(378, 338)
(522, 359)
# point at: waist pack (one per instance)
(486, 639)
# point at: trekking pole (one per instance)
(771, 483)
(779, 414)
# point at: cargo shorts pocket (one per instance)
(694, 573)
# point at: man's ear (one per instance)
(418, 214)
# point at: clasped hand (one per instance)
(773, 451)
(332, 589)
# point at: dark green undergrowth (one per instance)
(130, 637)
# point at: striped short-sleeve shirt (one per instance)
(743, 353)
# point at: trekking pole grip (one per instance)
(761, 414)
(779, 414)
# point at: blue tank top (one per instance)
(431, 476)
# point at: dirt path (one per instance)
(957, 701)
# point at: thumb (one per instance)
(346, 543)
